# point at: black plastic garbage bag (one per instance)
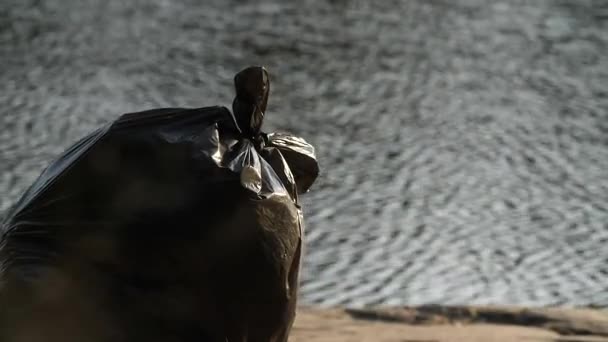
(164, 225)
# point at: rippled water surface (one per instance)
(464, 144)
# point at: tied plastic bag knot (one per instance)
(252, 87)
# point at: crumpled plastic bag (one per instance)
(167, 224)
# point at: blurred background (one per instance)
(463, 144)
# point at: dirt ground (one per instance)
(456, 324)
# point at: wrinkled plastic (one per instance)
(157, 182)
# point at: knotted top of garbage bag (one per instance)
(252, 87)
(292, 159)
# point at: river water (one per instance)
(463, 144)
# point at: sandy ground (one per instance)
(558, 325)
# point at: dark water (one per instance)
(464, 144)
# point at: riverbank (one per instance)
(457, 324)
